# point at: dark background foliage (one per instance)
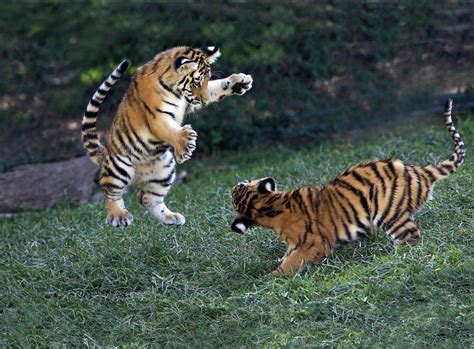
(318, 67)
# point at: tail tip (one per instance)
(123, 66)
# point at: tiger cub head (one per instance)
(187, 71)
(248, 198)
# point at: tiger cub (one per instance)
(314, 220)
(146, 139)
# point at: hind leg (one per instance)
(155, 182)
(404, 231)
(116, 174)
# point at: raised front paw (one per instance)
(185, 144)
(238, 83)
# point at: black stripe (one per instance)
(249, 203)
(153, 193)
(103, 92)
(357, 192)
(124, 162)
(95, 103)
(299, 200)
(167, 88)
(130, 146)
(442, 171)
(153, 142)
(111, 173)
(373, 167)
(376, 203)
(390, 200)
(114, 146)
(396, 213)
(88, 125)
(89, 136)
(354, 211)
(430, 174)
(165, 180)
(387, 173)
(118, 168)
(92, 147)
(112, 185)
(448, 167)
(408, 184)
(331, 218)
(90, 114)
(165, 112)
(347, 216)
(360, 179)
(392, 168)
(419, 190)
(183, 79)
(108, 84)
(398, 226)
(406, 195)
(174, 105)
(148, 108)
(138, 138)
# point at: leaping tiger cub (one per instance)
(313, 220)
(146, 138)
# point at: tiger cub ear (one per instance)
(241, 224)
(212, 52)
(183, 64)
(266, 185)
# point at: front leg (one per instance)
(236, 84)
(295, 258)
(182, 138)
(291, 263)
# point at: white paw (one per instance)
(119, 221)
(238, 83)
(164, 215)
(174, 218)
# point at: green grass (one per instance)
(67, 279)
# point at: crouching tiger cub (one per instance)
(146, 137)
(314, 220)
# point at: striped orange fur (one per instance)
(374, 195)
(147, 138)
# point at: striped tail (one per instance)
(90, 139)
(446, 167)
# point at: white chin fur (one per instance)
(241, 227)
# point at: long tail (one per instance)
(446, 167)
(90, 139)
